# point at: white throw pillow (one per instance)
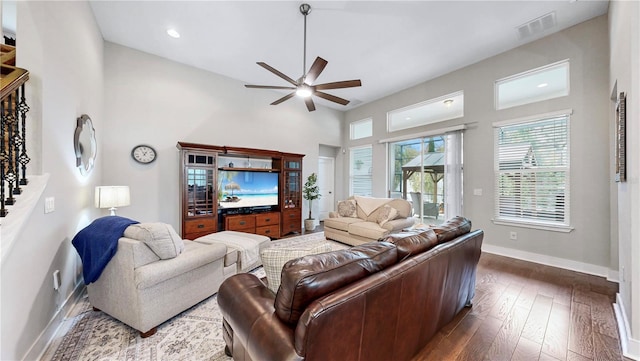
(160, 237)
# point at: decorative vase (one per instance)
(309, 224)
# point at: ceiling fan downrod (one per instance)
(305, 9)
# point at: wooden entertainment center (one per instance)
(214, 195)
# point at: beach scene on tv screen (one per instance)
(237, 189)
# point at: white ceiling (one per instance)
(389, 45)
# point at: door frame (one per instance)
(331, 198)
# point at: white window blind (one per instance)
(532, 170)
(360, 168)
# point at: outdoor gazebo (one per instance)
(431, 163)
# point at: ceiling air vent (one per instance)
(537, 26)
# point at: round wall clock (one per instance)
(143, 154)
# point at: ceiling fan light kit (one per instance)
(304, 87)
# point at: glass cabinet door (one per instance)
(201, 190)
(292, 189)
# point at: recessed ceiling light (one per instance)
(542, 85)
(448, 102)
(407, 118)
(173, 33)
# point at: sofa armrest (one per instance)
(247, 306)
(334, 214)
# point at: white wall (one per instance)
(60, 45)
(151, 100)
(624, 76)
(586, 46)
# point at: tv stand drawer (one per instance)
(269, 231)
(242, 223)
(267, 219)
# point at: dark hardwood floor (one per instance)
(527, 311)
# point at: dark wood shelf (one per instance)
(268, 170)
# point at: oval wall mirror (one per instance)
(84, 141)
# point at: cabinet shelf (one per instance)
(267, 170)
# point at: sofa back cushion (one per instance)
(402, 207)
(161, 238)
(305, 279)
(410, 243)
(452, 228)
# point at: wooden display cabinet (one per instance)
(203, 208)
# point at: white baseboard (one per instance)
(630, 346)
(551, 261)
(46, 336)
(613, 276)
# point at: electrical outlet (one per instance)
(56, 279)
(513, 236)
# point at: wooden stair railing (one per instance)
(13, 113)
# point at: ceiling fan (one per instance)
(304, 86)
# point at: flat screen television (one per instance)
(240, 189)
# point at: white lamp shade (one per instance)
(112, 196)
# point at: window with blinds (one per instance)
(360, 168)
(532, 170)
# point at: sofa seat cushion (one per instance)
(341, 223)
(307, 278)
(195, 255)
(370, 230)
(452, 228)
(412, 242)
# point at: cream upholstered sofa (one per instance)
(364, 219)
(154, 275)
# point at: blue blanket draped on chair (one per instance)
(97, 243)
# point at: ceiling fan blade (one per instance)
(276, 72)
(316, 68)
(268, 87)
(309, 102)
(332, 98)
(339, 84)
(286, 97)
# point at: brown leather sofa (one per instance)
(376, 301)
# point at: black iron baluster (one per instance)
(10, 176)
(3, 155)
(14, 143)
(23, 158)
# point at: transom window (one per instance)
(532, 170)
(547, 82)
(435, 110)
(361, 129)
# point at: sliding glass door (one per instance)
(422, 170)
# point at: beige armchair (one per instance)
(142, 290)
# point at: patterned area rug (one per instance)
(195, 334)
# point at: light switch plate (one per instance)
(477, 191)
(49, 204)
